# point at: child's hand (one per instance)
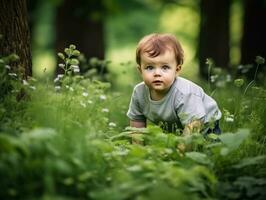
(193, 127)
(181, 149)
(137, 138)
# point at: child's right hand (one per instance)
(137, 138)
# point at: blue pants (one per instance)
(215, 130)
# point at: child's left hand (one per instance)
(193, 127)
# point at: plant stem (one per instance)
(209, 76)
(248, 86)
(256, 72)
(252, 80)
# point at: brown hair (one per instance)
(156, 44)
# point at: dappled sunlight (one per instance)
(184, 23)
(44, 64)
(123, 65)
(236, 32)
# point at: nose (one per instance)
(157, 72)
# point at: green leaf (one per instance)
(199, 157)
(13, 57)
(74, 61)
(224, 151)
(239, 82)
(250, 161)
(60, 55)
(39, 134)
(234, 140)
(76, 53)
(137, 137)
(85, 176)
(160, 140)
(10, 144)
(259, 60)
(137, 130)
(72, 46)
(67, 51)
(213, 136)
(68, 181)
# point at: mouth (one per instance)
(157, 82)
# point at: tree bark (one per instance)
(214, 34)
(253, 41)
(16, 35)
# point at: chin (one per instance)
(159, 89)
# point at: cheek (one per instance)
(146, 73)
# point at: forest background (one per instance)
(67, 70)
(229, 32)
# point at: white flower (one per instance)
(106, 110)
(14, 91)
(61, 65)
(71, 89)
(229, 118)
(134, 168)
(56, 79)
(213, 78)
(25, 82)
(67, 86)
(33, 87)
(57, 88)
(75, 68)
(102, 97)
(245, 106)
(60, 75)
(82, 104)
(12, 74)
(7, 67)
(228, 78)
(90, 102)
(112, 124)
(85, 94)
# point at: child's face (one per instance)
(159, 72)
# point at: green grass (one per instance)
(72, 142)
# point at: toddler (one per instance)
(165, 98)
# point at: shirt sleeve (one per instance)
(135, 112)
(191, 108)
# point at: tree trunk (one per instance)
(214, 34)
(15, 32)
(253, 40)
(75, 27)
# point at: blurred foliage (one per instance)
(67, 140)
(125, 23)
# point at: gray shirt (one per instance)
(184, 102)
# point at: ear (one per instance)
(178, 68)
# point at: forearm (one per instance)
(137, 124)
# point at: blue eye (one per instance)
(165, 67)
(149, 68)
